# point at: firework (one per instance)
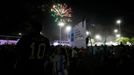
(61, 12)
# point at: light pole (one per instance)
(68, 29)
(119, 22)
(60, 24)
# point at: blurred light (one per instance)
(64, 43)
(99, 43)
(61, 24)
(54, 6)
(111, 43)
(118, 35)
(20, 34)
(115, 30)
(9, 42)
(55, 43)
(68, 28)
(118, 21)
(98, 37)
(92, 40)
(128, 43)
(87, 32)
(41, 33)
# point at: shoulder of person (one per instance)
(45, 38)
(23, 39)
(26, 36)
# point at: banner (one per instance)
(78, 35)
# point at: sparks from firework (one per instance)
(61, 11)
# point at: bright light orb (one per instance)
(118, 21)
(87, 32)
(20, 34)
(116, 30)
(98, 37)
(118, 35)
(68, 28)
(61, 24)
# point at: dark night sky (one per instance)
(15, 14)
(106, 13)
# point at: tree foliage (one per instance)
(132, 40)
(124, 40)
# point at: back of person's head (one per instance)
(33, 26)
(36, 26)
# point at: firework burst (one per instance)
(61, 12)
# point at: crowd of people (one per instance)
(33, 54)
(65, 60)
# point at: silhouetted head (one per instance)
(34, 26)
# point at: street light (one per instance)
(41, 33)
(118, 35)
(87, 33)
(119, 22)
(98, 37)
(68, 29)
(61, 24)
(20, 34)
(115, 30)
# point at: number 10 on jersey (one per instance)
(40, 52)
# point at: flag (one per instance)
(78, 35)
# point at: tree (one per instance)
(124, 40)
(132, 40)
